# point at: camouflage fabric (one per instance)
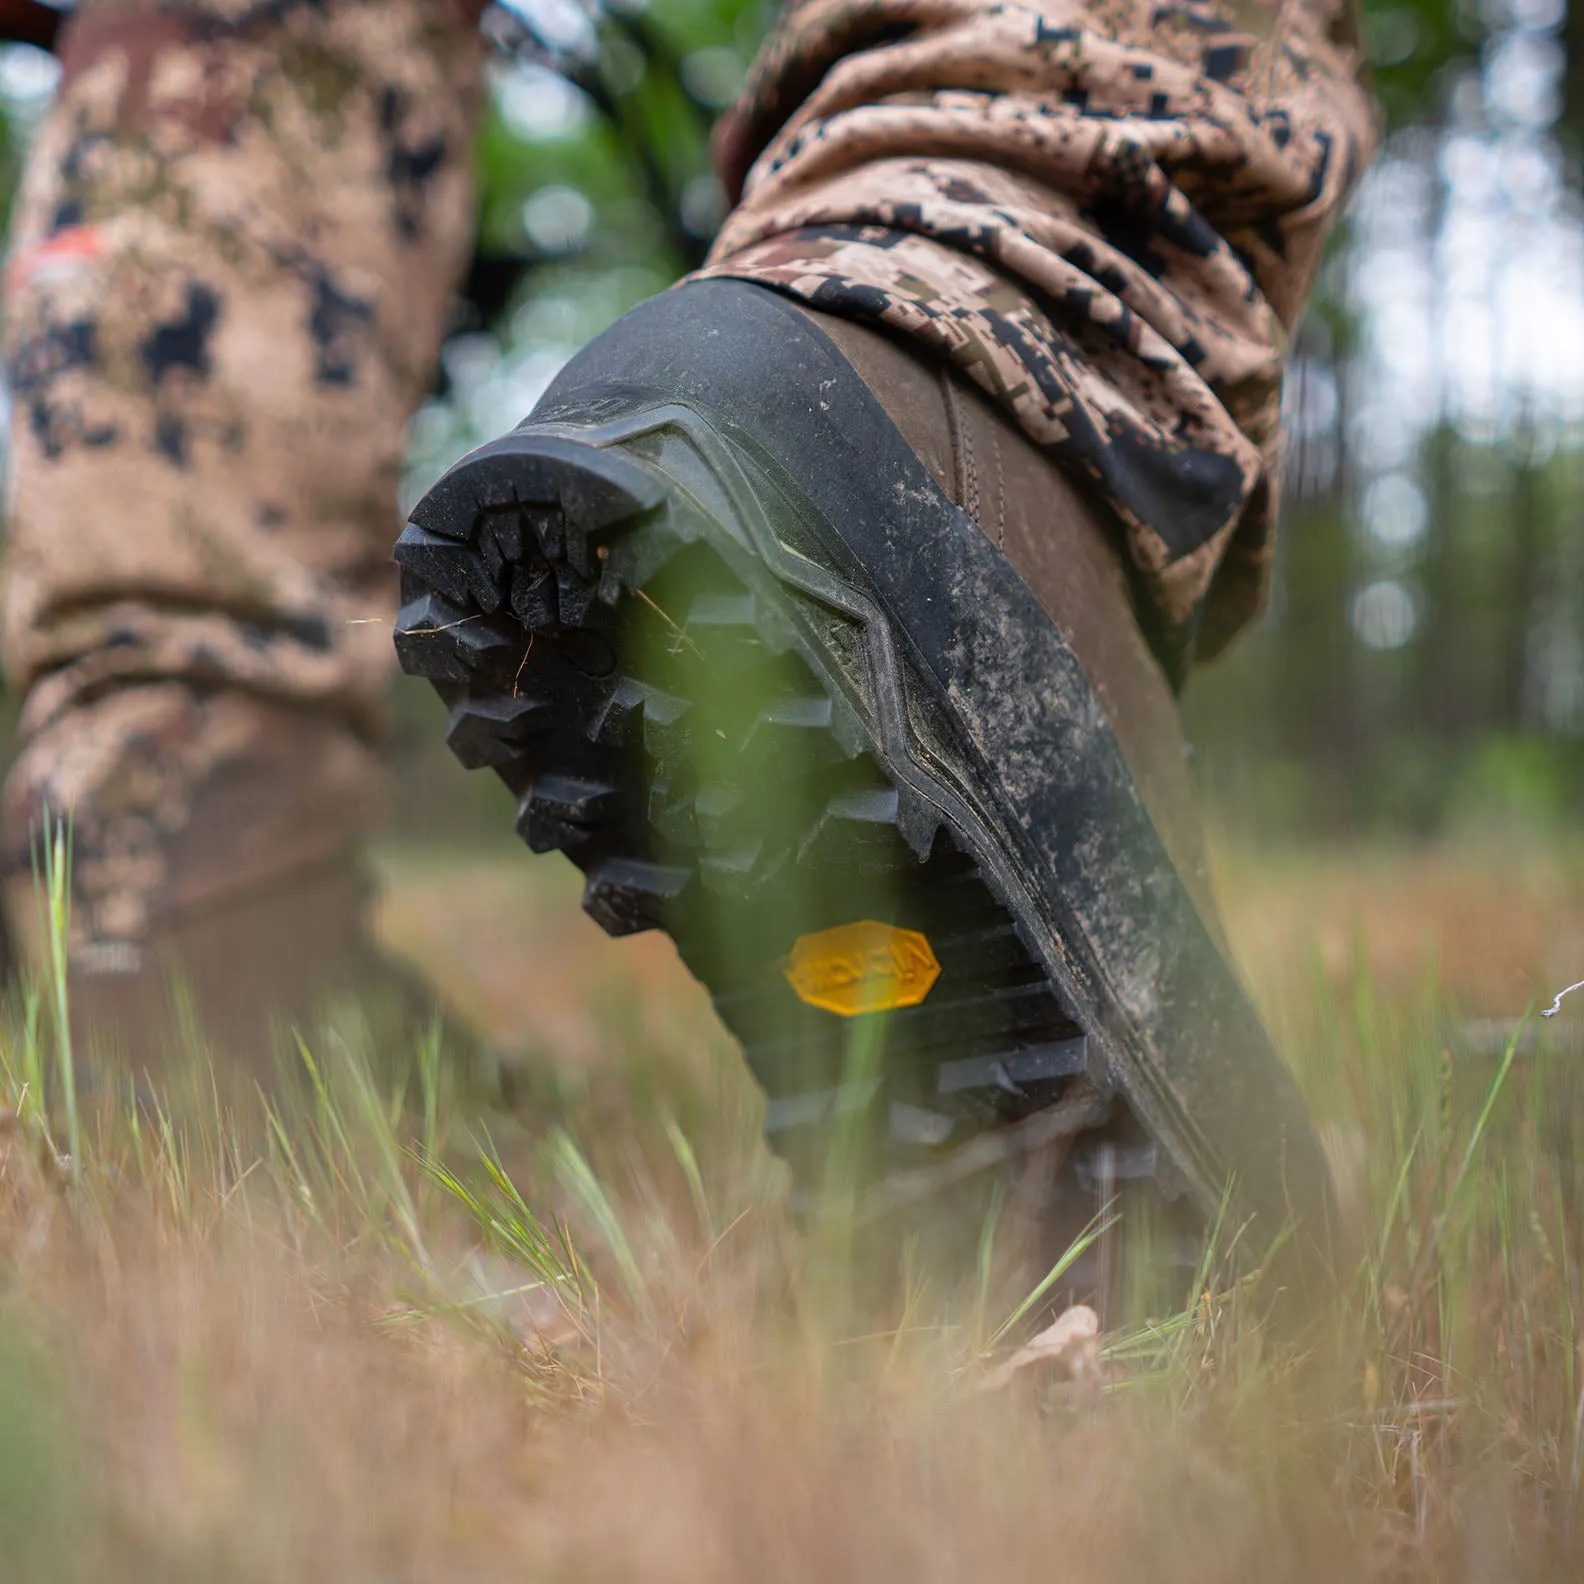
(1108, 214)
(232, 256)
(231, 260)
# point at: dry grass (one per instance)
(237, 1346)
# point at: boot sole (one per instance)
(699, 693)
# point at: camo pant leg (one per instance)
(1107, 212)
(233, 250)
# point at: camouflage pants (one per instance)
(240, 226)
(232, 256)
(1106, 212)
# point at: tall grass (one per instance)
(360, 1326)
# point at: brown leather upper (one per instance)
(1037, 518)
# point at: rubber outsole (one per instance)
(706, 741)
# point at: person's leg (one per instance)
(833, 627)
(1108, 217)
(231, 258)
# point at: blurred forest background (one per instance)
(1422, 664)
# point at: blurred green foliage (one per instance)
(1418, 49)
(595, 190)
(626, 129)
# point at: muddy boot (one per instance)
(806, 656)
(215, 897)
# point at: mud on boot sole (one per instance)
(708, 741)
(744, 663)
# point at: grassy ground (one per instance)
(371, 1330)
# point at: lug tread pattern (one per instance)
(530, 557)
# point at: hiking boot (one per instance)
(215, 893)
(805, 655)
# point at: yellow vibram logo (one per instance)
(862, 967)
